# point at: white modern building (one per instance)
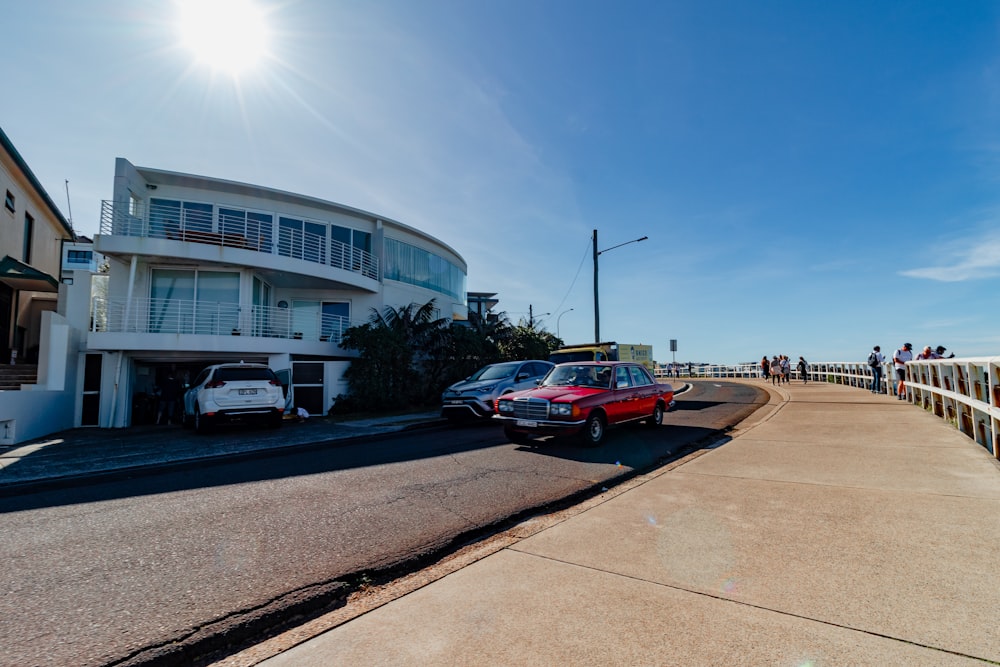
(201, 271)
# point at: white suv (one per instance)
(234, 392)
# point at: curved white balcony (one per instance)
(207, 238)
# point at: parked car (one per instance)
(234, 392)
(584, 399)
(476, 395)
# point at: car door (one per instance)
(525, 376)
(645, 391)
(622, 406)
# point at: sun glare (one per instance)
(226, 35)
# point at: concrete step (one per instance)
(12, 377)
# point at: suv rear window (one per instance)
(238, 374)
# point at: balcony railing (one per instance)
(180, 316)
(197, 226)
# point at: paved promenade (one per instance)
(834, 528)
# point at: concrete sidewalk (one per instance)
(838, 528)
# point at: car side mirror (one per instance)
(522, 376)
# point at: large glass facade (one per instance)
(415, 266)
(199, 302)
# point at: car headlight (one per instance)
(486, 390)
(561, 409)
(505, 406)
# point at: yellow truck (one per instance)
(609, 351)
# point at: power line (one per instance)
(586, 253)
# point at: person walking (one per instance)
(170, 394)
(786, 368)
(765, 368)
(875, 361)
(899, 359)
(775, 370)
(803, 368)
(939, 353)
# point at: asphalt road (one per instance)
(159, 569)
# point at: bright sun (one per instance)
(227, 35)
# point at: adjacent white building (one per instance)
(201, 270)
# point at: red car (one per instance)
(584, 399)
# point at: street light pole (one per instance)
(558, 318)
(597, 305)
(597, 308)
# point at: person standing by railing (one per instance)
(803, 368)
(899, 359)
(875, 361)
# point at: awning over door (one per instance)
(22, 277)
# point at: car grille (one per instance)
(531, 408)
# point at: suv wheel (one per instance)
(201, 422)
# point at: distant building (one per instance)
(189, 271)
(482, 304)
(32, 230)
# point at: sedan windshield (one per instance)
(579, 376)
(495, 372)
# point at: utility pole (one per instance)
(597, 307)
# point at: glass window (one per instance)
(171, 301)
(415, 266)
(164, 218)
(340, 247)
(232, 221)
(29, 233)
(134, 205)
(622, 378)
(305, 318)
(314, 242)
(8, 201)
(639, 378)
(252, 230)
(289, 237)
(260, 231)
(362, 240)
(217, 302)
(203, 302)
(79, 256)
(197, 217)
(336, 318)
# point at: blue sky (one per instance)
(814, 178)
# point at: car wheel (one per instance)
(516, 437)
(657, 417)
(593, 431)
(201, 424)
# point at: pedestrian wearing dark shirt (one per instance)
(170, 393)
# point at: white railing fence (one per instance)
(965, 392)
(216, 228)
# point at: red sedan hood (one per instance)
(564, 394)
